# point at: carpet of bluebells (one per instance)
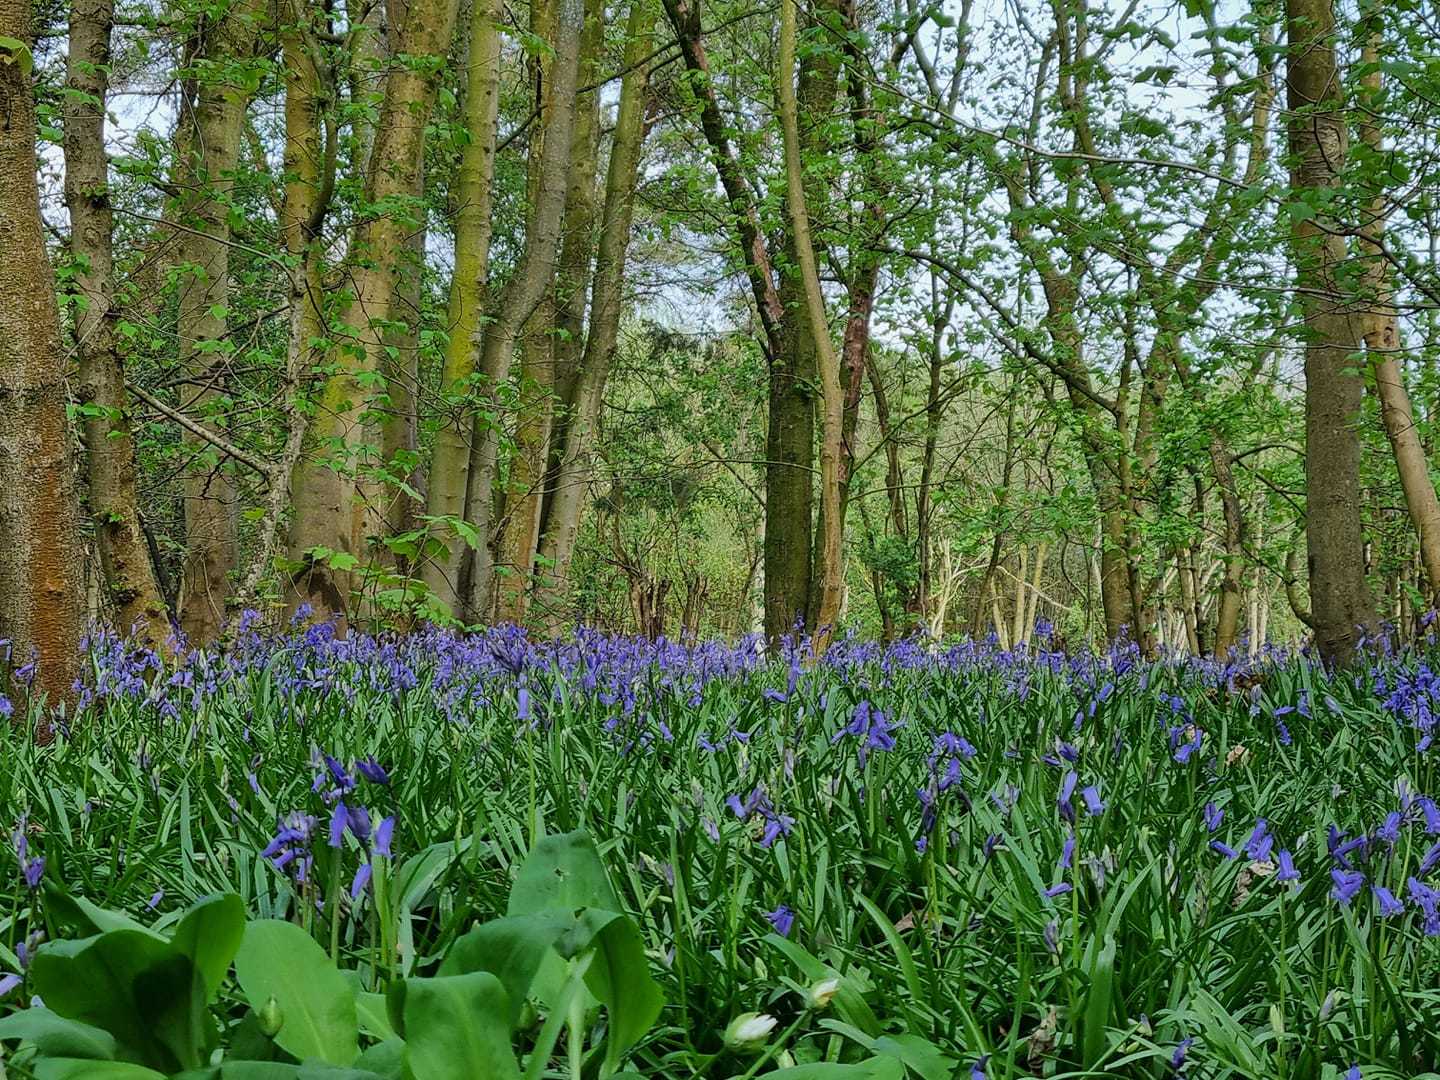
(1040, 863)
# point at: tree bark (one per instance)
(1382, 331)
(330, 506)
(549, 343)
(576, 458)
(40, 591)
(469, 283)
(212, 114)
(832, 566)
(134, 600)
(1340, 601)
(522, 293)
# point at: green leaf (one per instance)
(55, 1036)
(456, 1027)
(210, 934)
(619, 976)
(511, 949)
(134, 985)
(317, 1004)
(562, 872)
(85, 1069)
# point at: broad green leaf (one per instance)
(619, 976)
(456, 1027)
(55, 1036)
(562, 872)
(511, 949)
(317, 1003)
(137, 987)
(85, 1069)
(210, 934)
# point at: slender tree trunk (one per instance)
(40, 591)
(1382, 331)
(311, 146)
(1340, 601)
(549, 342)
(576, 457)
(330, 513)
(212, 116)
(469, 284)
(832, 560)
(523, 292)
(132, 592)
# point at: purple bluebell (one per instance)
(1352, 1073)
(1222, 848)
(1214, 815)
(383, 834)
(1058, 890)
(1347, 884)
(34, 870)
(782, 919)
(1093, 804)
(1067, 853)
(1064, 802)
(8, 983)
(361, 880)
(1177, 1059)
(1261, 843)
(372, 770)
(1429, 860)
(1389, 905)
(977, 1071)
(338, 820)
(1287, 870)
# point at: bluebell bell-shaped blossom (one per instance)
(1093, 804)
(782, 919)
(1178, 1055)
(1223, 849)
(1347, 884)
(1287, 871)
(1389, 905)
(1064, 802)
(1214, 816)
(1261, 843)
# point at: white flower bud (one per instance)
(749, 1031)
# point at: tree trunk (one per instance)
(576, 456)
(1340, 602)
(523, 292)
(40, 592)
(469, 283)
(330, 513)
(132, 592)
(212, 115)
(1382, 331)
(831, 583)
(549, 342)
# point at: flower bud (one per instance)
(749, 1031)
(270, 1019)
(820, 993)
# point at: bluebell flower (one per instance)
(1177, 1058)
(1389, 830)
(1067, 853)
(1063, 803)
(1221, 848)
(338, 819)
(782, 919)
(33, 871)
(1430, 860)
(1058, 890)
(1347, 884)
(1353, 1073)
(383, 834)
(372, 770)
(977, 1071)
(1389, 905)
(1287, 867)
(361, 880)
(1213, 816)
(1093, 805)
(1260, 844)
